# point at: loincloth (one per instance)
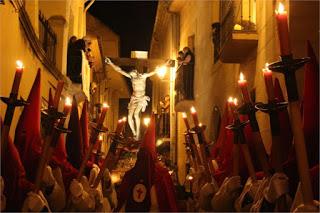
(138, 101)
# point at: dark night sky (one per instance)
(131, 20)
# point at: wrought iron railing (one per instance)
(47, 38)
(232, 20)
(184, 83)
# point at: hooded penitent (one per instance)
(84, 120)
(74, 143)
(16, 186)
(27, 135)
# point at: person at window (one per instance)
(75, 61)
(180, 57)
(165, 109)
(188, 72)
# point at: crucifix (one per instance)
(139, 100)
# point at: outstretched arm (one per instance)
(147, 75)
(116, 68)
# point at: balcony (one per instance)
(237, 30)
(184, 98)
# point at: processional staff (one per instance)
(12, 102)
(93, 139)
(287, 66)
(249, 109)
(52, 115)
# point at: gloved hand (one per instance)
(308, 207)
(76, 188)
(244, 202)
(207, 192)
(278, 186)
(35, 202)
(224, 199)
(48, 178)
(107, 61)
(93, 173)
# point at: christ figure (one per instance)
(139, 100)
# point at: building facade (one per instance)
(228, 37)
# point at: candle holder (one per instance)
(49, 116)
(288, 66)
(12, 102)
(237, 128)
(250, 110)
(103, 129)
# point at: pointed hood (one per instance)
(27, 135)
(283, 116)
(13, 174)
(50, 98)
(84, 120)
(74, 144)
(223, 147)
(149, 139)
(143, 173)
(311, 106)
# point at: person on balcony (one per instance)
(74, 62)
(165, 122)
(180, 57)
(78, 69)
(188, 70)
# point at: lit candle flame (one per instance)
(266, 69)
(235, 101)
(230, 99)
(159, 142)
(19, 64)
(146, 121)
(115, 178)
(193, 110)
(200, 124)
(68, 101)
(281, 9)
(184, 115)
(120, 121)
(100, 138)
(241, 77)
(190, 177)
(124, 119)
(105, 105)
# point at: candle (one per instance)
(232, 102)
(57, 94)
(123, 125)
(267, 74)
(118, 128)
(185, 119)
(283, 31)
(244, 88)
(194, 116)
(17, 77)
(105, 108)
(67, 106)
(100, 138)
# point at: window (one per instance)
(47, 38)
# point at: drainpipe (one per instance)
(84, 16)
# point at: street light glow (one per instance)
(161, 71)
